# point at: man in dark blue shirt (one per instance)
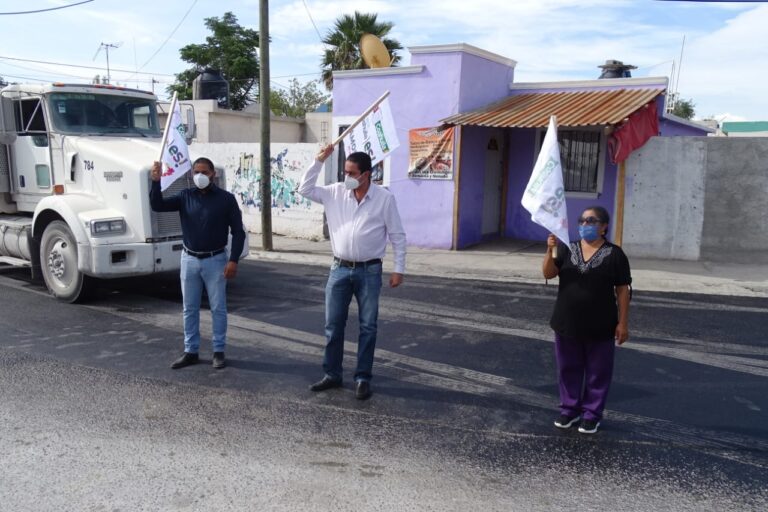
(208, 214)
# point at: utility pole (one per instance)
(266, 171)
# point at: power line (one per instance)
(81, 66)
(25, 78)
(194, 2)
(52, 77)
(298, 74)
(312, 20)
(45, 10)
(41, 70)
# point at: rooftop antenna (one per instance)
(679, 66)
(135, 64)
(670, 89)
(106, 47)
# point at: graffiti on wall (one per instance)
(292, 215)
(286, 173)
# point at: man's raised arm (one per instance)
(308, 185)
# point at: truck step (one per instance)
(13, 262)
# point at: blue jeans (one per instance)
(196, 273)
(364, 283)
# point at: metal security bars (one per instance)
(580, 158)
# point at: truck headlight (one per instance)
(107, 227)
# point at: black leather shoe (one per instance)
(325, 383)
(218, 360)
(186, 359)
(363, 390)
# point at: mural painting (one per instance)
(292, 214)
(285, 179)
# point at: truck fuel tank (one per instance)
(15, 233)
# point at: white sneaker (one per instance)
(589, 427)
(566, 421)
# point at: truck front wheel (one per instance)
(58, 262)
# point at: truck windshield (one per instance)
(102, 114)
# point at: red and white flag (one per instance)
(175, 153)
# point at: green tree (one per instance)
(343, 43)
(233, 50)
(297, 100)
(684, 108)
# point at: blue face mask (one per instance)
(590, 233)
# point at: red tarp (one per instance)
(641, 126)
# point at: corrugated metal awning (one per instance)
(582, 108)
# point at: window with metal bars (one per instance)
(580, 159)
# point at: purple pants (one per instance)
(584, 371)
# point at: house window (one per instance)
(342, 155)
(580, 158)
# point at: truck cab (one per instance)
(74, 185)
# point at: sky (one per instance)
(724, 59)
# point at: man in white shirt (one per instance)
(361, 217)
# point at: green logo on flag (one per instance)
(542, 176)
(382, 138)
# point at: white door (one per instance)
(494, 161)
(31, 172)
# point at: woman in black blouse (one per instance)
(591, 312)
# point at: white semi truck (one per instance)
(74, 185)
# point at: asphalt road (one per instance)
(92, 418)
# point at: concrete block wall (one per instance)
(664, 198)
(735, 225)
(698, 198)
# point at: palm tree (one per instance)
(343, 43)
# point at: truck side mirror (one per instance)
(191, 128)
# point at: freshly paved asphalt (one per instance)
(92, 418)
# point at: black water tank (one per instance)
(210, 85)
(616, 69)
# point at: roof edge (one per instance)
(660, 81)
(686, 122)
(465, 48)
(397, 70)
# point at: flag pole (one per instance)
(360, 118)
(165, 132)
(621, 184)
(554, 249)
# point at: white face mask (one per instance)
(201, 180)
(351, 183)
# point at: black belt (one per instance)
(204, 254)
(353, 264)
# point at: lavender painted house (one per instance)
(499, 129)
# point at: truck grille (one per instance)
(165, 224)
(168, 224)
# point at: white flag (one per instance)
(175, 155)
(375, 135)
(544, 196)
